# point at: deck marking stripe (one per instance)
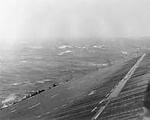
(119, 87)
(34, 105)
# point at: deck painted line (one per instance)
(54, 95)
(119, 87)
(70, 115)
(112, 90)
(99, 111)
(94, 109)
(47, 113)
(107, 95)
(13, 111)
(101, 101)
(64, 105)
(78, 109)
(34, 106)
(121, 84)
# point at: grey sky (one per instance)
(47, 19)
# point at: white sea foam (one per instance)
(40, 81)
(68, 51)
(46, 80)
(19, 83)
(36, 47)
(124, 52)
(10, 99)
(64, 46)
(97, 46)
(23, 61)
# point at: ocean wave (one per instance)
(68, 51)
(43, 81)
(21, 83)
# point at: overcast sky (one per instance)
(50, 19)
